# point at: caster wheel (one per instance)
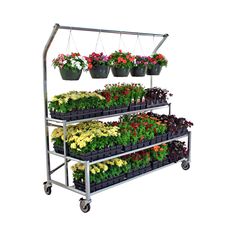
(47, 189)
(85, 207)
(185, 165)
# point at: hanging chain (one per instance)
(99, 39)
(68, 43)
(74, 42)
(119, 41)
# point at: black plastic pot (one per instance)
(120, 72)
(67, 74)
(155, 164)
(134, 146)
(158, 138)
(164, 137)
(138, 71)
(100, 72)
(106, 112)
(154, 70)
(127, 148)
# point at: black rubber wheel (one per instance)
(84, 208)
(47, 189)
(185, 165)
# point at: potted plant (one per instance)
(98, 65)
(70, 65)
(156, 96)
(121, 63)
(139, 66)
(155, 64)
(177, 151)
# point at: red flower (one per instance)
(134, 125)
(90, 66)
(120, 51)
(116, 98)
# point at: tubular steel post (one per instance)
(54, 31)
(169, 108)
(65, 154)
(189, 145)
(112, 31)
(87, 181)
(160, 43)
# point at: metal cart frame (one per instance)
(85, 202)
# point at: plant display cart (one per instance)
(86, 192)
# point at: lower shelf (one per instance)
(94, 188)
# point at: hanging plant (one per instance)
(139, 66)
(70, 65)
(121, 63)
(98, 65)
(155, 64)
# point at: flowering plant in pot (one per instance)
(139, 66)
(98, 65)
(121, 63)
(159, 152)
(86, 136)
(155, 96)
(177, 151)
(155, 64)
(70, 65)
(74, 100)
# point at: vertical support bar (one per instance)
(160, 43)
(189, 145)
(54, 31)
(151, 82)
(169, 108)
(65, 154)
(87, 181)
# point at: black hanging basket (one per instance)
(138, 71)
(120, 72)
(68, 74)
(154, 70)
(100, 71)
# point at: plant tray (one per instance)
(91, 156)
(178, 133)
(137, 172)
(157, 103)
(95, 187)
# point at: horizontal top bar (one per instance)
(110, 31)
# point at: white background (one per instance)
(201, 74)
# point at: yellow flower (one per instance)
(73, 146)
(93, 171)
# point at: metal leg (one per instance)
(65, 155)
(85, 203)
(169, 105)
(48, 164)
(189, 146)
(87, 181)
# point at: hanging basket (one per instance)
(154, 70)
(100, 71)
(120, 72)
(138, 71)
(68, 74)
